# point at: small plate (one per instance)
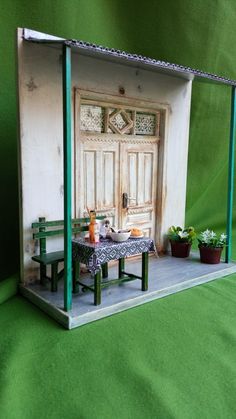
(136, 237)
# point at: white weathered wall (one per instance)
(41, 132)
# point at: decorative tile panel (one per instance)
(120, 121)
(91, 118)
(145, 124)
(105, 119)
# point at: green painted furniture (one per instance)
(96, 256)
(46, 229)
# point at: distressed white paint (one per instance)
(119, 163)
(139, 178)
(41, 133)
(31, 34)
(150, 90)
(98, 174)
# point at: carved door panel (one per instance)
(139, 182)
(116, 153)
(99, 178)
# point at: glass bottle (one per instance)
(93, 228)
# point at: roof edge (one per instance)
(174, 69)
(31, 35)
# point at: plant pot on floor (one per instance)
(210, 255)
(180, 249)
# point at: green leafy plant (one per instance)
(178, 234)
(209, 238)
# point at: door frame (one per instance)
(142, 105)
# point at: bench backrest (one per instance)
(48, 229)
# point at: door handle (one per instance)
(126, 199)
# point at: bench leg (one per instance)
(105, 270)
(97, 288)
(76, 274)
(121, 267)
(43, 274)
(145, 271)
(54, 277)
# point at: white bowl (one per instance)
(120, 237)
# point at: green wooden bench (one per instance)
(47, 229)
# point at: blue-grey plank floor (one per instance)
(167, 275)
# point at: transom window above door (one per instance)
(105, 119)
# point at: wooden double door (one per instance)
(117, 174)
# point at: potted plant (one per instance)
(181, 241)
(210, 246)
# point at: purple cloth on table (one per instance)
(94, 255)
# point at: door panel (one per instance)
(132, 187)
(89, 162)
(108, 179)
(138, 179)
(148, 180)
(99, 178)
(116, 154)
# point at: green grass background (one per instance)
(198, 33)
(173, 358)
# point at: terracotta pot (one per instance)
(210, 254)
(180, 250)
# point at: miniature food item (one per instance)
(136, 232)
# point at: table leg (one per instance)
(121, 267)
(145, 271)
(76, 274)
(105, 270)
(97, 288)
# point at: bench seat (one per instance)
(49, 258)
(47, 229)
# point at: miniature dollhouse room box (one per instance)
(107, 130)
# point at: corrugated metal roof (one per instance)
(99, 51)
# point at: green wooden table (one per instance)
(96, 256)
